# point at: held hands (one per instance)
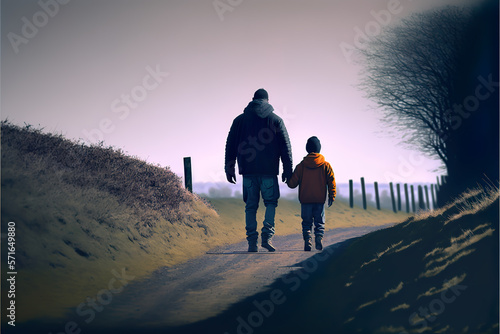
(285, 177)
(330, 202)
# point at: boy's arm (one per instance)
(294, 181)
(330, 182)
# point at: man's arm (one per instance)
(285, 151)
(231, 154)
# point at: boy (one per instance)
(314, 175)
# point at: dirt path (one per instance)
(205, 286)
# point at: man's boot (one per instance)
(252, 246)
(307, 244)
(318, 239)
(266, 243)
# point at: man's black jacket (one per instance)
(257, 140)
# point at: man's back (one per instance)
(258, 139)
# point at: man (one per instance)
(257, 140)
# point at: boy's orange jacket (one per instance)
(314, 175)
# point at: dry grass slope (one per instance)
(82, 211)
(434, 273)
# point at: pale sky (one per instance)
(164, 79)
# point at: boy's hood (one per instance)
(314, 160)
(260, 108)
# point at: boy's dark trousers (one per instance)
(313, 213)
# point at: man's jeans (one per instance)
(253, 186)
(313, 212)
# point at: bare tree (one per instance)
(410, 71)
(435, 77)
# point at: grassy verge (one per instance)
(83, 211)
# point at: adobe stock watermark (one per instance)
(364, 35)
(123, 105)
(286, 115)
(31, 26)
(407, 166)
(265, 308)
(223, 6)
(103, 297)
(470, 103)
(435, 307)
(249, 148)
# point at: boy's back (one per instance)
(314, 176)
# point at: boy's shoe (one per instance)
(307, 244)
(252, 247)
(319, 245)
(266, 243)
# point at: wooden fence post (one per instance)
(434, 202)
(407, 199)
(188, 179)
(427, 197)
(398, 190)
(421, 204)
(351, 194)
(412, 198)
(392, 198)
(377, 198)
(363, 192)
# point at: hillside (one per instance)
(84, 213)
(433, 273)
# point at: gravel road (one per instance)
(204, 287)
